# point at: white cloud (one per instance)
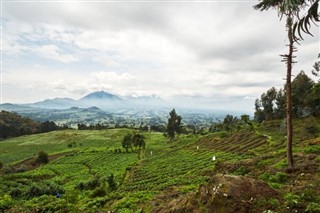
(53, 52)
(215, 50)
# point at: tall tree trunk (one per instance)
(289, 60)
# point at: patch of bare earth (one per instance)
(223, 193)
(30, 164)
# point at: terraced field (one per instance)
(81, 173)
(240, 142)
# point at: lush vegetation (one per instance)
(13, 125)
(305, 100)
(90, 170)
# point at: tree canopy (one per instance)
(174, 124)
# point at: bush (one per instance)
(42, 158)
(88, 185)
(36, 190)
(111, 182)
(99, 192)
(5, 202)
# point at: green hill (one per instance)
(12, 125)
(243, 171)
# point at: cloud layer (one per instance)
(220, 54)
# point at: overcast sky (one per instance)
(221, 54)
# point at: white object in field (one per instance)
(197, 147)
(214, 158)
(150, 152)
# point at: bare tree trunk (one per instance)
(289, 60)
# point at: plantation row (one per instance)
(94, 176)
(238, 143)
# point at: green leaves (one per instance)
(304, 24)
(294, 7)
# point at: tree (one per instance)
(139, 141)
(174, 124)
(294, 24)
(280, 111)
(229, 122)
(258, 114)
(127, 142)
(267, 102)
(301, 89)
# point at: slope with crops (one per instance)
(90, 171)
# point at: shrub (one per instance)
(99, 192)
(111, 182)
(42, 158)
(5, 202)
(88, 185)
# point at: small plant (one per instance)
(313, 208)
(292, 200)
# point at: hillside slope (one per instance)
(165, 177)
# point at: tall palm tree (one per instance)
(296, 25)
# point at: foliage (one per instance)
(99, 192)
(139, 141)
(12, 125)
(42, 158)
(174, 124)
(305, 92)
(302, 24)
(82, 177)
(5, 202)
(127, 141)
(111, 182)
(97, 126)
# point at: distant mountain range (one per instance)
(99, 99)
(103, 107)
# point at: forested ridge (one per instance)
(13, 125)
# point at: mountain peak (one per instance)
(100, 95)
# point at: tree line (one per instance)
(305, 99)
(13, 125)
